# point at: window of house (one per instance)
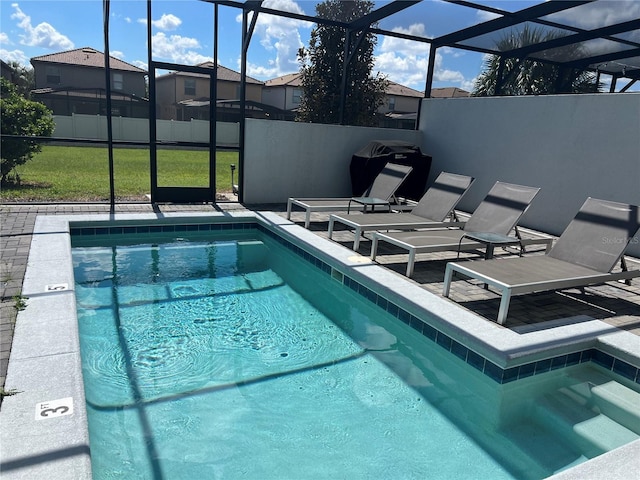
(53, 75)
(117, 81)
(297, 95)
(189, 86)
(392, 103)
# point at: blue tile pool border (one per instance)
(475, 360)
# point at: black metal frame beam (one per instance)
(599, 62)
(508, 19)
(583, 36)
(106, 4)
(380, 13)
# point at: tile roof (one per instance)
(449, 92)
(224, 74)
(87, 57)
(291, 79)
(396, 89)
(294, 80)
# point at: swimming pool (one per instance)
(45, 359)
(231, 353)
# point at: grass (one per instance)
(61, 173)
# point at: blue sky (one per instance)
(183, 33)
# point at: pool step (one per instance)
(532, 440)
(575, 414)
(618, 403)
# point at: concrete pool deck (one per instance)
(45, 357)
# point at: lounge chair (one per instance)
(497, 215)
(382, 191)
(432, 210)
(585, 254)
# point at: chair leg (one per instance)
(374, 246)
(356, 238)
(331, 221)
(504, 306)
(411, 262)
(448, 275)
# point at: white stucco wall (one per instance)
(292, 159)
(137, 129)
(572, 146)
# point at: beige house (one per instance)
(398, 110)
(74, 82)
(284, 92)
(185, 95)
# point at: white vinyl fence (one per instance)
(94, 127)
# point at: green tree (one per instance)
(23, 78)
(321, 69)
(531, 77)
(19, 116)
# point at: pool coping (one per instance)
(46, 341)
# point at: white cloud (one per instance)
(140, 64)
(261, 71)
(14, 56)
(42, 35)
(598, 14)
(450, 76)
(4, 39)
(408, 70)
(280, 37)
(468, 85)
(406, 47)
(486, 16)
(117, 54)
(167, 22)
(404, 61)
(178, 49)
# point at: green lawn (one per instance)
(82, 173)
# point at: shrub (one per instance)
(19, 116)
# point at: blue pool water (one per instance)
(232, 357)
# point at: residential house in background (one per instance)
(74, 82)
(400, 107)
(185, 95)
(6, 71)
(284, 92)
(398, 110)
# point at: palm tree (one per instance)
(531, 77)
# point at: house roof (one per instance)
(291, 80)
(449, 92)
(294, 80)
(86, 57)
(224, 74)
(86, 93)
(400, 90)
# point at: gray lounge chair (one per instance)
(585, 254)
(498, 214)
(382, 191)
(432, 210)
